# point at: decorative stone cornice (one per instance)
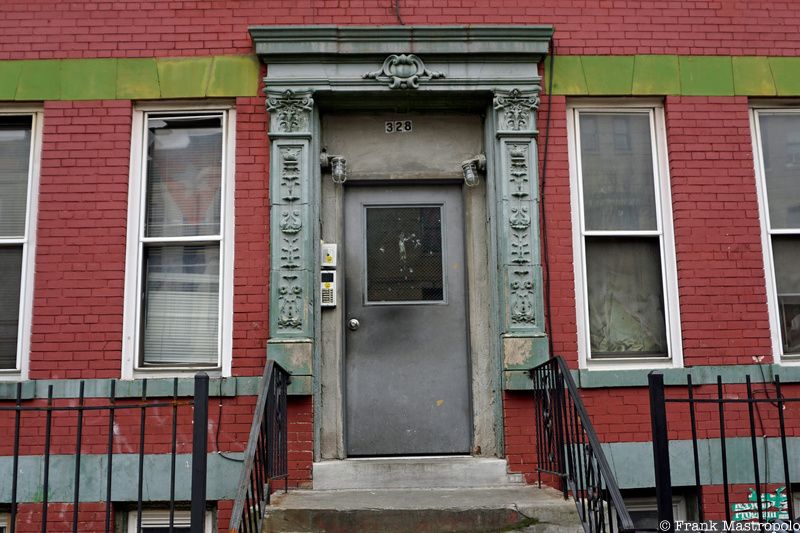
(301, 43)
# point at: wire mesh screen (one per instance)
(404, 254)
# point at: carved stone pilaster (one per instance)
(518, 224)
(291, 243)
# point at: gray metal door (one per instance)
(407, 363)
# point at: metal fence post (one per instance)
(658, 416)
(199, 450)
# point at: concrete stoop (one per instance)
(441, 510)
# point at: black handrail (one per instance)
(266, 456)
(567, 447)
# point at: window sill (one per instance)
(638, 363)
(11, 376)
(174, 372)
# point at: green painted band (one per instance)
(129, 79)
(632, 462)
(661, 75)
(637, 377)
(125, 469)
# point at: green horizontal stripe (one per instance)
(643, 75)
(129, 79)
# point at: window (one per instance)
(624, 253)
(644, 512)
(777, 156)
(3, 523)
(179, 281)
(19, 177)
(157, 521)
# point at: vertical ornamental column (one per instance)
(291, 233)
(517, 208)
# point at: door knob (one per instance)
(353, 324)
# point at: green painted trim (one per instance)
(156, 388)
(661, 75)
(701, 375)
(223, 472)
(608, 74)
(129, 79)
(706, 76)
(752, 76)
(632, 462)
(786, 72)
(655, 75)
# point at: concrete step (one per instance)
(522, 508)
(413, 472)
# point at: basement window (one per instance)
(157, 521)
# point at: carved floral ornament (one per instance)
(292, 109)
(516, 107)
(403, 71)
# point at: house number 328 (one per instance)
(398, 126)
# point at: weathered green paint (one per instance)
(301, 386)
(90, 79)
(517, 380)
(608, 75)
(233, 75)
(568, 75)
(786, 72)
(632, 462)
(9, 76)
(677, 376)
(752, 76)
(223, 472)
(180, 78)
(137, 79)
(129, 79)
(156, 388)
(39, 80)
(656, 75)
(706, 75)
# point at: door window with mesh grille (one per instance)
(404, 254)
(16, 227)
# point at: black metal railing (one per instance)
(756, 419)
(113, 414)
(567, 448)
(266, 458)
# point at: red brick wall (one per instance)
(133, 28)
(80, 249)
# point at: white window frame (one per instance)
(679, 511)
(665, 232)
(20, 372)
(160, 518)
(4, 522)
(133, 261)
(766, 233)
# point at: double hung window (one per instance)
(18, 192)
(777, 147)
(624, 254)
(180, 242)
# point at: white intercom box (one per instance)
(328, 255)
(328, 288)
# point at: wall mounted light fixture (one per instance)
(337, 164)
(470, 168)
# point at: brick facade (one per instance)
(82, 212)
